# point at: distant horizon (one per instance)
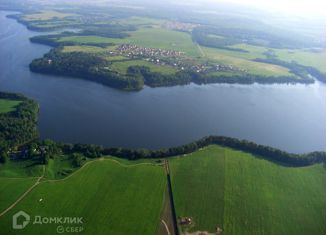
(314, 8)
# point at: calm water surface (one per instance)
(290, 117)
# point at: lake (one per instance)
(289, 117)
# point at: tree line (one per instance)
(298, 69)
(19, 126)
(84, 151)
(221, 37)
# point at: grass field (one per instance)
(122, 67)
(13, 188)
(244, 61)
(46, 15)
(8, 105)
(146, 37)
(247, 195)
(315, 59)
(198, 187)
(25, 168)
(84, 48)
(111, 198)
(140, 21)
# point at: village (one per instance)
(172, 58)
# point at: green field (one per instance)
(247, 195)
(8, 105)
(314, 59)
(146, 37)
(215, 186)
(26, 168)
(194, 194)
(13, 188)
(140, 21)
(307, 57)
(244, 61)
(122, 67)
(86, 49)
(112, 199)
(46, 15)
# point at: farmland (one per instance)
(244, 61)
(46, 15)
(146, 37)
(12, 188)
(198, 187)
(112, 199)
(308, 57)
(246, 195)
(8, 105)
(214, 186)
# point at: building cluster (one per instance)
(171, 58)
(131, 50)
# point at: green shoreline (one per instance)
(95, 151)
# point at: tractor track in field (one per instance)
(39, 179)
(24, 194)
(166, 227)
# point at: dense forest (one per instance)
(84, 65)
(18, 127)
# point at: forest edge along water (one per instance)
(289, 117)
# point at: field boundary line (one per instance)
(170, 194)
(166, 226)
(58, 180)
(101, 159)
(24, 194)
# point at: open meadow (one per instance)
(242, 194)
(111, 197)
(46, 15)
(8, 105)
